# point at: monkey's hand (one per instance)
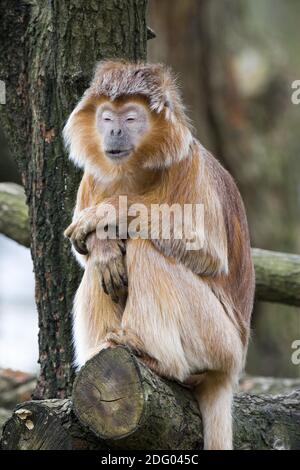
(90, 219)
(78, 231)
(108, 257)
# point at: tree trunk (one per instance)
(48, 52)
(118, 403)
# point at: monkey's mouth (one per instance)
(115, 154)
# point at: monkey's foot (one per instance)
(127, 337)
(193, 380)
(150, 362)
(103, 345)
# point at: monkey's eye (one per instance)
(130, 119)
(107, 117)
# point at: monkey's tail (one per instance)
(214, 396)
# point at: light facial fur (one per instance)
(121, 128)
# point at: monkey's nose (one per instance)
(116, 132)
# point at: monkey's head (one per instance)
(131, 114)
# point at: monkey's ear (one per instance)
(168, 107)
(164, 89)
(168, 104)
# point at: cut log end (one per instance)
(108, 394)
(124, 403)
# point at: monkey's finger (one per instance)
(122, 274)
(101, 269)
(83, 229)
(122, 246)
(115, 283)
(78, 238)
(109, 285)
(116, 267)
(119, 277)
(80, 246)
(124, 280)
(69, 230)
(79, 232)
(102, 283)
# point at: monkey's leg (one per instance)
(174, 317)
(149, 325)
(94, 315)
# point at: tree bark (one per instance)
(118, 403)
(48, 52)
(46, 425)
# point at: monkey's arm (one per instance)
(197, 182)
(107, 256)
(198, 187)
(81, 203)
(87, 196)
(205, 252)
(200, 184)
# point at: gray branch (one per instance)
(277, 276)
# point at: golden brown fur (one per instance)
(186, 312)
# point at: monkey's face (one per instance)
(121, 127)
(110, 138)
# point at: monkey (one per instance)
(185, 312)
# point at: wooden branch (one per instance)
(118, 403)
(4, 416)
(257, 385)
(14, 213)
(277, 276)
(46, 425)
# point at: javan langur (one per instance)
(184, 312)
